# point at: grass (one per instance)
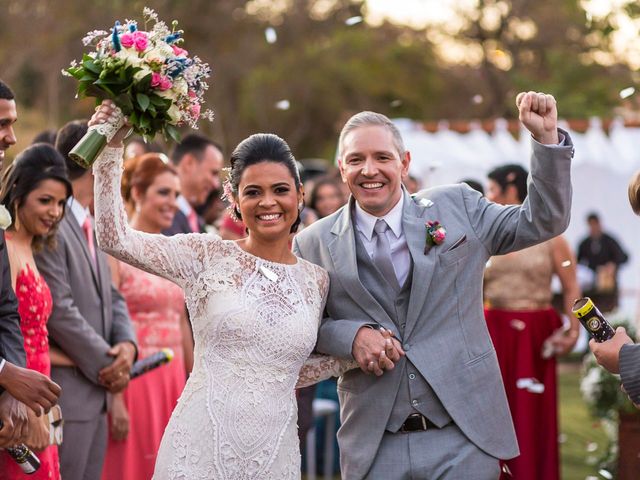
(582, 437)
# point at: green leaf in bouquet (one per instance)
(134, 119)
(144, 83)
(125, 103)
(144, 121)
(143, 101)
(87, 77)
(90, 65)
(172, 132)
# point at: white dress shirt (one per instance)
(400, 255)
(80, 213)
(184, 205)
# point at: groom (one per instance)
(439, 411)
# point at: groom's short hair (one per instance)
(367, 119)
(5, 92)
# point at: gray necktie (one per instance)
(382, 254)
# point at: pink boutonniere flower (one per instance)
(436, 234)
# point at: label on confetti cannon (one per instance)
(590, 317)
(152, 361)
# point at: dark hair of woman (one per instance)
(262, 147)
(32, 166)
(511, 174)
(141, 171)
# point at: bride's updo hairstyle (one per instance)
(634, 193)
(262, 147)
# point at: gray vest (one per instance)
(414, 393)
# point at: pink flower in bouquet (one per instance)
(192, 94)
(160, 82)
(126, 40)
(179, 51)
(141, 41)
(195, 109)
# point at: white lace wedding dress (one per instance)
(254, 324)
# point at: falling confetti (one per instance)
(505, 469)
(566, 263)
(530, 385)
(518, 324)
(477, 99)
(353, 20)
(395, 103)
(283, 105)
(270, 35)
(605, 474)
(562, 438)
(627, 92)
(592, 447)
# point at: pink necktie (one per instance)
(192, 218)
(88, 234)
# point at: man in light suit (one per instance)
(199, 162)
(91, 336)
(439, 411)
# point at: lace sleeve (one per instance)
(320, 367)
(179, 258)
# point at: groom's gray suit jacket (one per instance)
(444, 333)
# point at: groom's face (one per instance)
(373, 168)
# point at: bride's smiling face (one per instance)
(268, 199)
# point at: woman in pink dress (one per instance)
(139, 415)
(35, 189)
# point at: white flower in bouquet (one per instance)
(5, 218)
(174, 113)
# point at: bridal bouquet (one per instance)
(153, 81)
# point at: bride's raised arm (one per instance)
(179, 258)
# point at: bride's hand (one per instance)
(105, 113)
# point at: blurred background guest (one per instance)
(136, 146)
(602, 253)
(139, 415)
(477, 186)
(198, 162)
(528, 333)
(35, 189)
(326, 197)
(231, 228)
(212, 211)
(45, 136)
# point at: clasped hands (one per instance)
(376, 350)
(115, 377)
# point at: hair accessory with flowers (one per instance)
(227, 196)
(153, 81)
(436, 234)
(5, 218)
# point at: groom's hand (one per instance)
(538, 113)
(374, 351)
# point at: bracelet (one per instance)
(2, 364)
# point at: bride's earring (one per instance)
(138, 207)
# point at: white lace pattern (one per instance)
(254, 330)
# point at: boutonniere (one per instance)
(5, 218)
(436, 234)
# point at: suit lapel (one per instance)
(342, 248)
(413, 224)
(79, 235)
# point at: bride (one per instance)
(255, 309)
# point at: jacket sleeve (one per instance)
(121, 327)
(11, 341)
(630, 371)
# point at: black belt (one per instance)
(416, 422)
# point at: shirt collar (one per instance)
(80, 213)
(365, 221)
(184, 205)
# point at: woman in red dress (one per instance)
(139, 415)
(35, 189)
(528, 333)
